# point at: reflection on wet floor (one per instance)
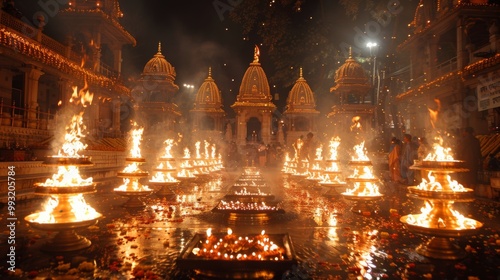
(330, 241)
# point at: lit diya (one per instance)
(231, 256)
(249, 195)
(438, 218)
(249, 208)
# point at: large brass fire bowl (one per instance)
(137, 174)
(167, 189)
(331, 172)
(165, 183)
(134, 197)
(166, 159)
(440, 245)
(434, 164)
(360, 163)
(67, 161)
(441, 231)
(362, 180)
(58, 226)
(457, 196)
(356, 197)
(173, 169)
(333, 184)
(66, 240)
(66, 190)
(132, 159)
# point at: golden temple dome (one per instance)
(254, 85)
(351, 72)
(208, 95)
(351, 82)
(301, 97)
(159, 67)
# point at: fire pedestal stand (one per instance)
(332, 178)
(67, 210)
(164, 179)
(439, 219)
(365, 189)
(132, 188)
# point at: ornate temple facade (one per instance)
(351, 110)
(253, 106)
(207, 114)
(300, 113)
(38, 72)
(450, 67)
(153, 97)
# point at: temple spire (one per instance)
(210, 72)
(350, 51)
(159, 47)
(300, 73)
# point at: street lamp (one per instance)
(371, 45)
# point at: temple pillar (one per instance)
(493, 30)
(432, 58)
(266, 128)
(241, 129)
(462, 58)
(65, 91)
(117, 60)
(31, 77)
(95, 45)
(116, 116)
(6, 85)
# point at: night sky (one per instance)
(195, 36)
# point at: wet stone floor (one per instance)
(329, 240)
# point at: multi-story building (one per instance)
(449, 68)
(37, 76)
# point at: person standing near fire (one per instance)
(408, 155)
(395, 160)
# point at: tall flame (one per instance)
(360, 152)
(72, 139)
(439, 153)
(168, 148)
(135, 151)
(334, 145)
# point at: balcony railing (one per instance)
(446, 67)
(12, 115)
(33, 33)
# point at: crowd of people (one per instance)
(402, 155)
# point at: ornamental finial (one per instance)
(159, 47)
(256, 54)
(350, 51)
(300, 72)
(210, 72)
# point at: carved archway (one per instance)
(254, 130)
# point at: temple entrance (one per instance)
(254, 130)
